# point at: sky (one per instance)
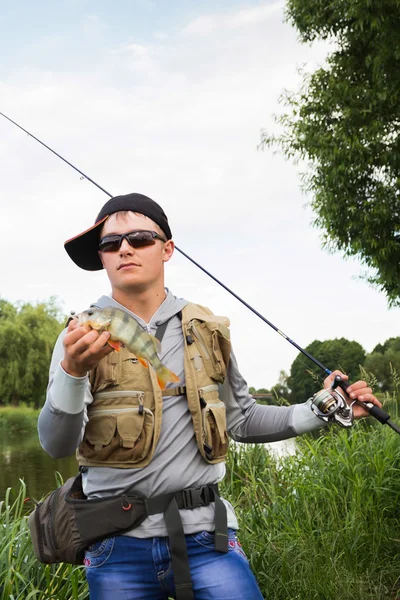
(169, 99)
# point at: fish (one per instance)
(126, 331)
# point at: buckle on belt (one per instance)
(195, 497)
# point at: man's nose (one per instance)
(125, 248)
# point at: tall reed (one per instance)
(323, 524)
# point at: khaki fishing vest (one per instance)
(125, 416)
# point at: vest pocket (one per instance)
(213, 411)
(118, 435)
(209, 338)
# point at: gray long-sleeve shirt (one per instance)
(177, 463)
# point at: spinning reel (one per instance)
(331, 406)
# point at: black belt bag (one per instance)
(66, 523)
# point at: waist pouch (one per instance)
(66, 523)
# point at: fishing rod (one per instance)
(327, 405)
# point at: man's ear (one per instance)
(100, 256)
(168, 250)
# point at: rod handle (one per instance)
(373, 410)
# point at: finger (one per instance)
(356, 393)
(356, 385)
(75, 332)
(330, 379)
(370, 398)
(337, 372)
(98, 348)
(76, 347)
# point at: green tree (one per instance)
(305, 378)
(280, 391)
(383, 360)
(27, 336)
(344, 123)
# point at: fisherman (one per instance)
(169, 445)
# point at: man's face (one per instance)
(135, 269)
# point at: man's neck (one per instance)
(143, 304)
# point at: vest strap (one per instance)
(175, 391)
(161, 330)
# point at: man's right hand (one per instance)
(83, 348)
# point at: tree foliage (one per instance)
(27, 337)
(383, 361)
(305, 378)
(344, 123)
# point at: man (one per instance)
(183, 442)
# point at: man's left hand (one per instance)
(358, 390)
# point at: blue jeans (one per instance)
(127, 568)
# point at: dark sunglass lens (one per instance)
(138, 239)
(110, 244)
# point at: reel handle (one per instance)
(373, 410)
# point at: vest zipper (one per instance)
(121, 394)
(106, 411)
(199, 339)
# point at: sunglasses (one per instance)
(137, 239)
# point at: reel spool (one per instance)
(330, 406)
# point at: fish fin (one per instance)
(165, 376)
(115, 345)
(143, 362)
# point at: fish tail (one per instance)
(165, 376)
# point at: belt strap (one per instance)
(190, 498)
(179, 555)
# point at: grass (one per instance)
(22, 577)
(323, 524)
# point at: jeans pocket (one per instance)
(204, 538)
(207, 539)
(98, 553)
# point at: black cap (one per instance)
(83, 248)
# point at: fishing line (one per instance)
(373, 410)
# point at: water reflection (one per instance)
(282, 448)
(23, 458)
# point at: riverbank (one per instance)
(18, 420)
(320, 524)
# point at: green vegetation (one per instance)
(383, 361)
(22, 577)
(27, 337)
(335, 354)
(343, 124)
(381, 366)
(321, 524)
(324, 523)
(18, 421)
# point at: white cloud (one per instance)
(208, 24)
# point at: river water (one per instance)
(23, 458)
